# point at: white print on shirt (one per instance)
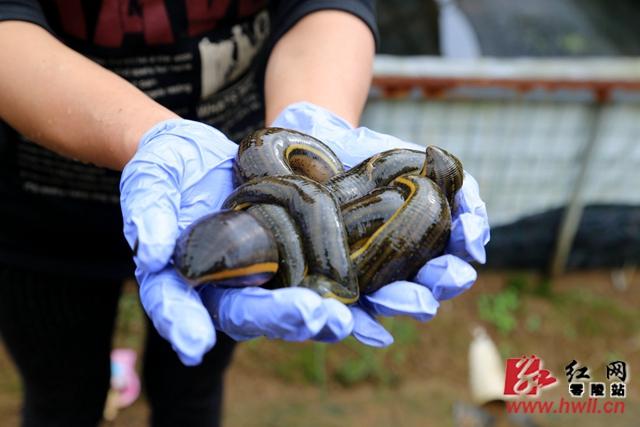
(219, 66)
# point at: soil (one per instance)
(417, 380)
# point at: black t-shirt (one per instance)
(203, 59)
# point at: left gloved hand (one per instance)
(441, 278)
(182, 171)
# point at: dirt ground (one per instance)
(417, 381)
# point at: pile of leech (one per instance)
(298, 219)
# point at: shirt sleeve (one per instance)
(23, 10)
(286, 13)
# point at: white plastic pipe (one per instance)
(457, 37)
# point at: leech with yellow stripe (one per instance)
(396, 207)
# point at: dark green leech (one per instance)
(292, 264)
(320, 222)
(377, 171)
(363, 216)
(229, 248)
(276, 151)
(415, 233)
(444, 169)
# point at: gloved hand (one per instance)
(441, 278)
(182, 171)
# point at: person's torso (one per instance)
(200, 58)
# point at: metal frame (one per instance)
(396, 77)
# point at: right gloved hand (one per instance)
(182, 171)
(442, 277)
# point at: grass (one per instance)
(416, 380)
(500, 309)
(350, 365)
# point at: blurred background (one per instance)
(541, 101)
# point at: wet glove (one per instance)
(182, 171)
(440, 278)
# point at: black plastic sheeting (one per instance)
(408, 27)
(511, 28)
(555, 27)
(608, 236)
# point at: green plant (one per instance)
(519, 283)
(378, 365)
(544, 288)
(499, 309)
(314, 364)
(349, 363)
(300, 362)
(367, 364)
(528, 284)
(130, 322)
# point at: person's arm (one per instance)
(326, 59)
(67, 103)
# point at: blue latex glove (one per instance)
(182, 171)
(441, 278)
